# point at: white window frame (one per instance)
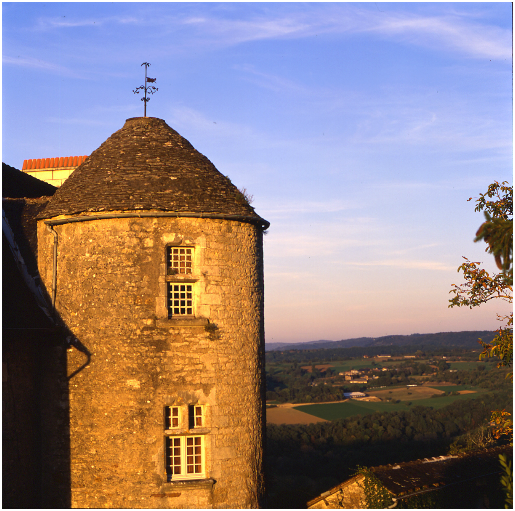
(179, 260)
(171, 413)
(179, 454)
(185, 453)
(181, 278)
(196, 417)
(181, 303)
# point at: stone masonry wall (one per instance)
(111, 287)
(349, 495)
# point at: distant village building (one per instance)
(53, 171)
(362, 380)
(352, 372)
(151, 386)
(353, 395)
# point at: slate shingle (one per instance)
(145, 166)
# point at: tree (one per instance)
(481, 287)
(443, 365)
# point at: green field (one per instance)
(347, 365)
(456, 388)
(332, 411)
(470, 366)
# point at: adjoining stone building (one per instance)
(154, 263)
(33, 420)
(53, 171)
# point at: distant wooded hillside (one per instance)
(447, 339)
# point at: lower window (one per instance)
(184, 457)
(180, 299)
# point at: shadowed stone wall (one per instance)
(111, 292)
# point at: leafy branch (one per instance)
(479, 286)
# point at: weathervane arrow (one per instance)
(148, 89)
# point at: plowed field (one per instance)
(286, 415)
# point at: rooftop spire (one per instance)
(148, 89)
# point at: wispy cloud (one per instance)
(415, 248)
(427, 118)
(289, 206)
(447, 32)
(191, 119)
(34, 63)
(47, 23)
(214, 27)
(77, 121)
(405, 264)
(30, 62)
(272, 82)
(237, 31)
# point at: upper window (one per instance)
(196, 416)
(179, 260)
(172, 417)
(179, 282)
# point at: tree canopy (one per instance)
(481, 287)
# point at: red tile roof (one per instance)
(52, 163)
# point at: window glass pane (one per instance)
(198, 416)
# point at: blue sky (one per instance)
(361, 129)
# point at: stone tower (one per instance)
(154, 261)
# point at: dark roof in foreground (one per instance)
(148, 166)
(432, 473)
(17, 184)
(419, 476)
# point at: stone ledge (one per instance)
(188, 483)
(185, 431)
(179, 322)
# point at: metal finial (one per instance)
(148, 89)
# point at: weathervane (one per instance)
(150, 89)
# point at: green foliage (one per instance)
(480, 287)
(376, 495)
(479, 438)
(507, 480)
(428, 500)
(497, 231)
(502, 205)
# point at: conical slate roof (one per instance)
(147, 165)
